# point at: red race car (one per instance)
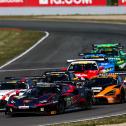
(85, 69)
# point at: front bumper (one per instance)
(50, 109)
(106, 100)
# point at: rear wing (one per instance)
(95, 54)
(11, 78)
(98, 59)
(32, 77)
(114, 45)
(122, 74)
(116, 73)
(45, 84)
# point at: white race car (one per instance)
(10, 88)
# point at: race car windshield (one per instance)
(40, 92)
(11, 86)
(82, 67)
(52, 78)
(103, 82)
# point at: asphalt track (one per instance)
(65, 41)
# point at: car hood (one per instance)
(21, 100)
(87, 74)
(6, 92)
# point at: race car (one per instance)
(54, 76)
(102, 60)
(50, 98)
(107, 89)
(114, 53)
(84, 69)
(10, 88)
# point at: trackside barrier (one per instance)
(48, 3)
(122, 2)
(59, 3)
(61, 7)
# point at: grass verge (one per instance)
(97, 122)
(15, 41)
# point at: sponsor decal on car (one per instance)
(23, 107)
(123, 1)
(96, 89)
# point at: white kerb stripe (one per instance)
(80, 120)
(41, 40)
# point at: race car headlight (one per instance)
(110, 93)
(12, 102)
(44, 101)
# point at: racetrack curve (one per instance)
(65, 41)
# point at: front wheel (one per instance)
(61, 107)
(89, 104)
(122, 97)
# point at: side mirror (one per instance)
(17, 93)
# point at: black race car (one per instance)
(66, 77)
(50, 98)
(54, 76)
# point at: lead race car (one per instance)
(101, 59)
(50, 98)
(114, 52)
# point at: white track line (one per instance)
(11, 61)
(32, 69)
(80, 120)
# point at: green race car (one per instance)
(114, 53)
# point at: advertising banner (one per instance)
(72, 2)
(122, 2)
(52, 3)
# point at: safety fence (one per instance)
(60, 3)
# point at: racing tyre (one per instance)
(8, 114)
(89, 104)
(61, 107)
(122, 97)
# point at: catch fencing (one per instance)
(64, 7)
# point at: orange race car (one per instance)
(108, 88)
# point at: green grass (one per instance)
(15, 41)
(97, 122)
